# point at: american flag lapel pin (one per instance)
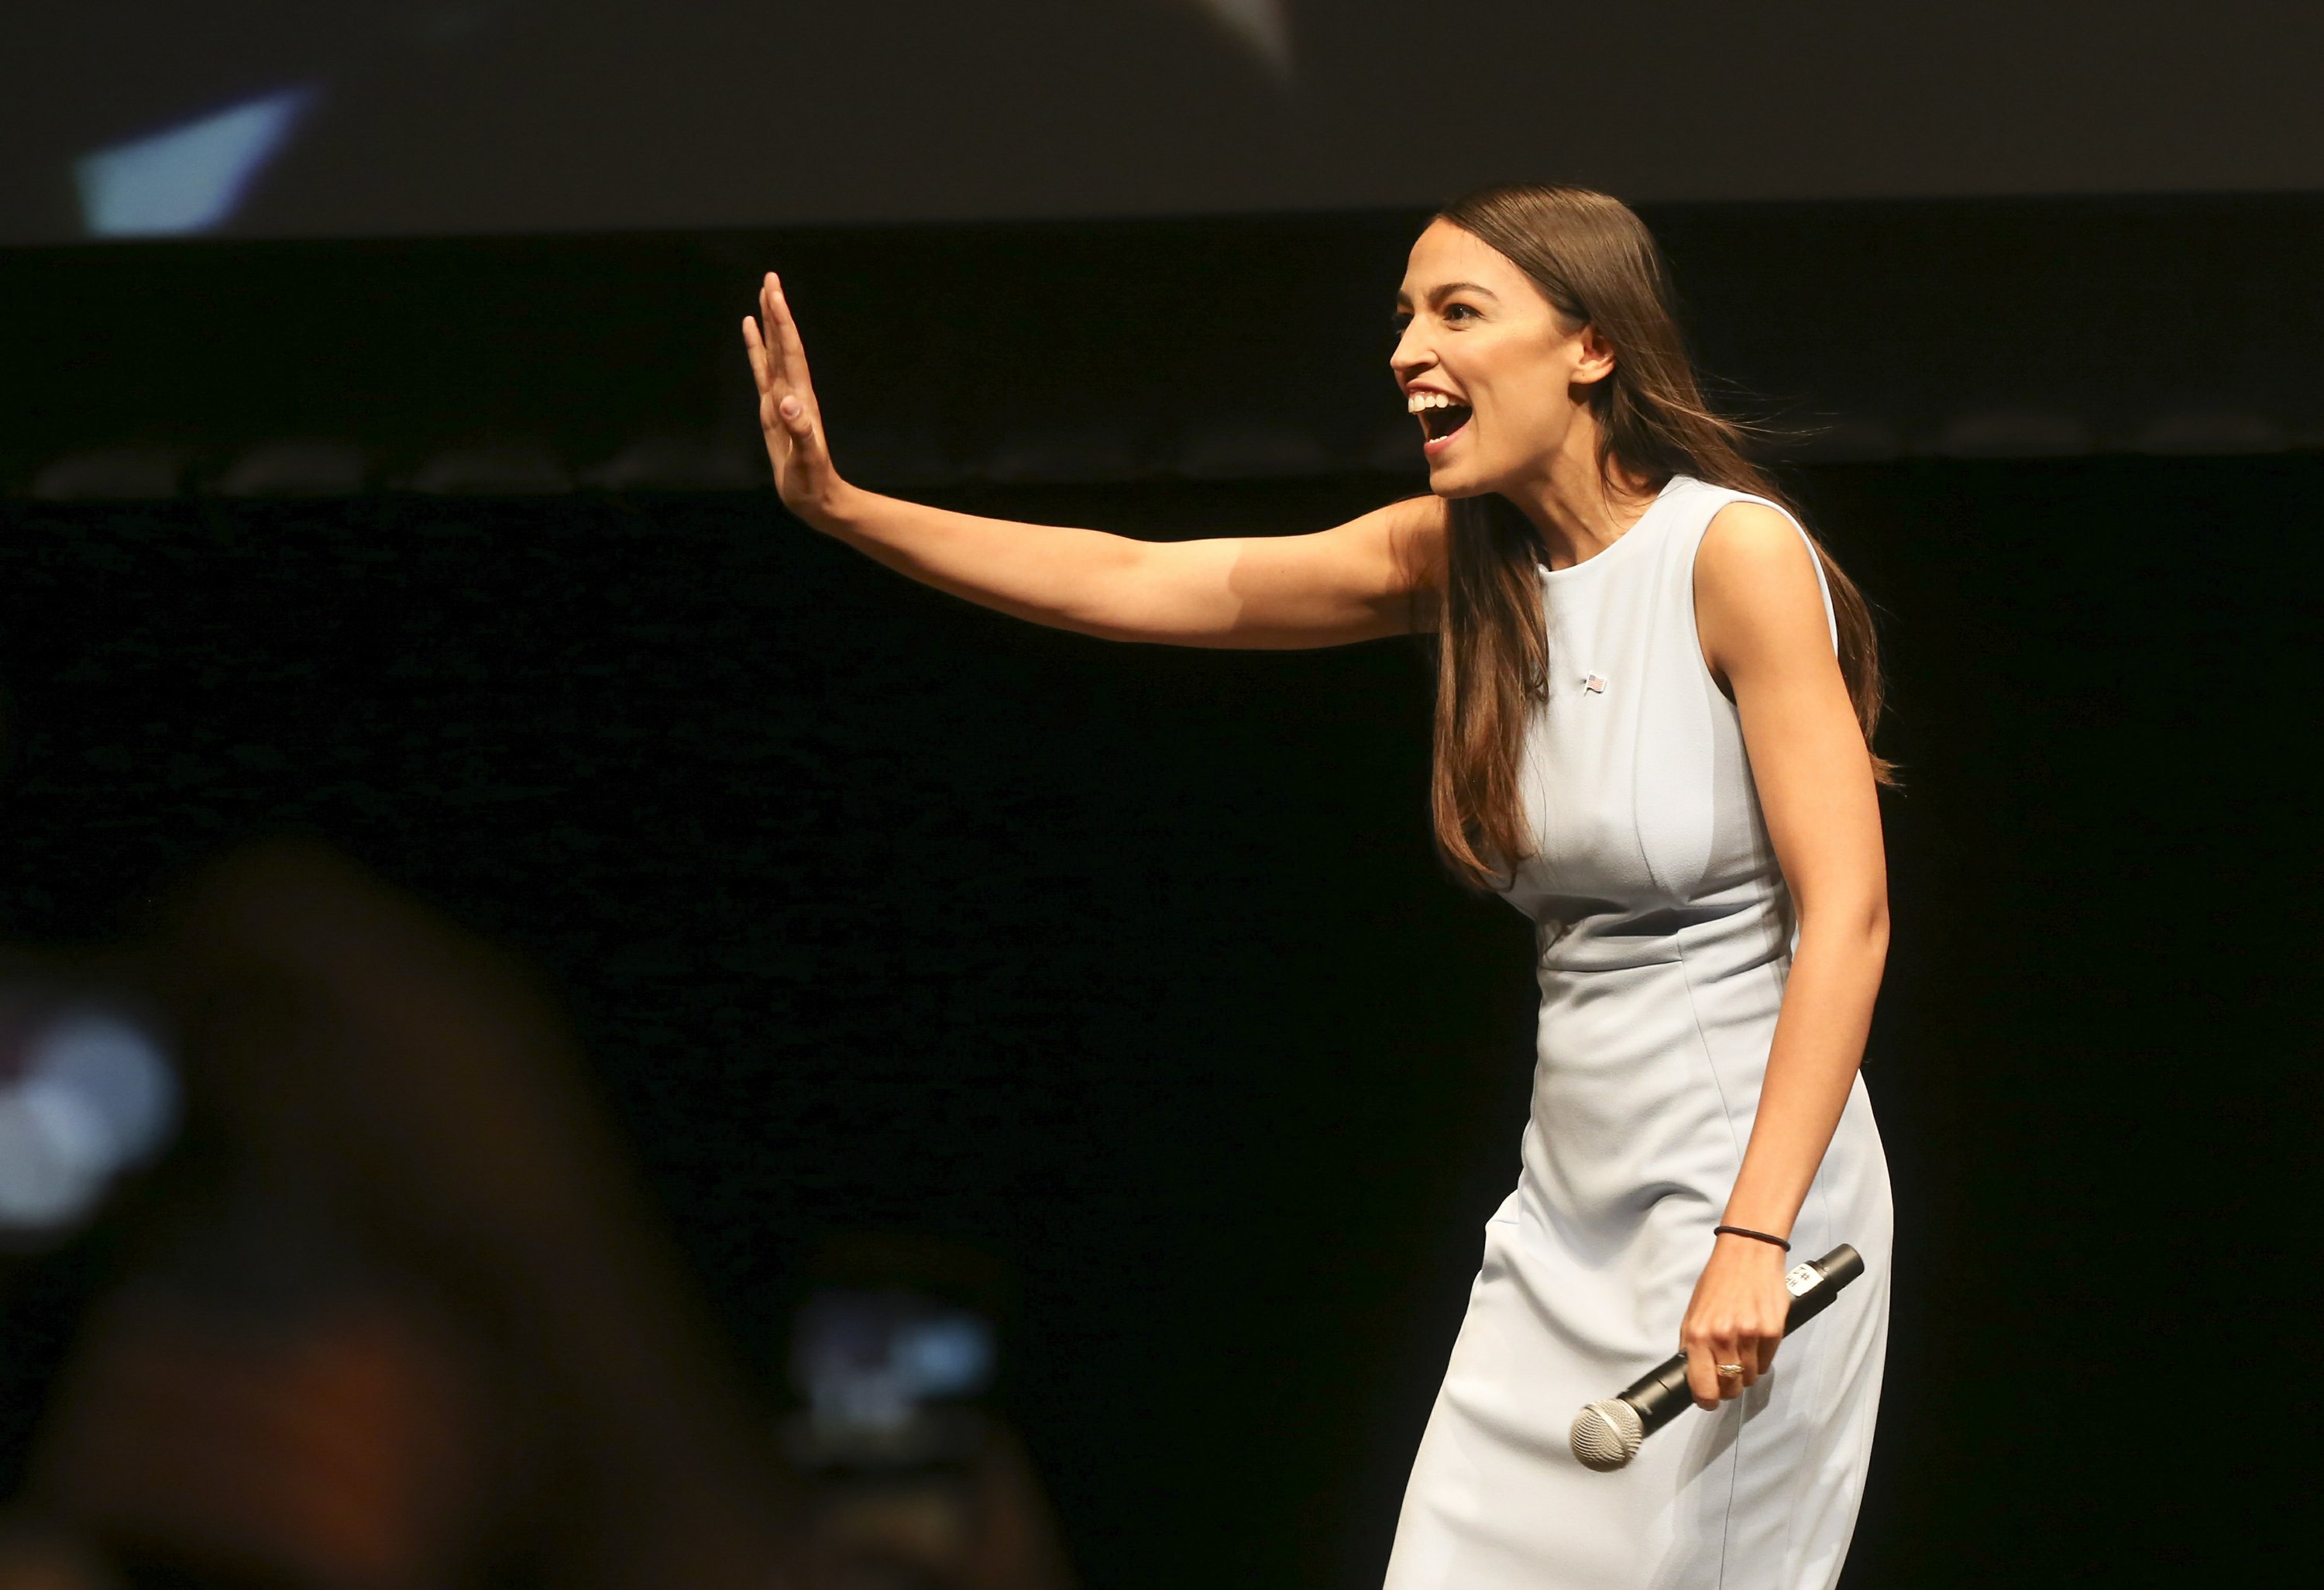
(1593, 683)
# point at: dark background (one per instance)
(1133, 967)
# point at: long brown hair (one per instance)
(1597, 264)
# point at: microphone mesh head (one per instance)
(1606, 1434)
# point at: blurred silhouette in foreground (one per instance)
(909, 1477)
(393, 1310)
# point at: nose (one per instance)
(1411, 354)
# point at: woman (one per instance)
(1655, 701)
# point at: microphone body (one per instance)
(1606, 1434)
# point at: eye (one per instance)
(1397, 322)
(1457, 311)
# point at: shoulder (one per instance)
(1411, 521)
(1404, 543)
(1748, 543)
(1755, 557)
(1386, 564)
(1757, 587)
(1412, 532)
(1418, 519)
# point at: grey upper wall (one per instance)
(416, 117)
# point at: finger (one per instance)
(1763, 1352)
(792, 351)
(757, 350)
(779, 336)
(1731, 1354)
(1723, 1351)
(1700, 1379)
(768, 339)
(795, 419)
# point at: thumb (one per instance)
(795, 418)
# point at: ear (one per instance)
(1594, 358)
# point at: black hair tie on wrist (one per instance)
(1757, 1236)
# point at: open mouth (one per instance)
(1439, 416)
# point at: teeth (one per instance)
(1415, 401)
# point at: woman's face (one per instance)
(1494, 376)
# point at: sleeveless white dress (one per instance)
(1664, 933)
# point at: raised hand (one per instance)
(789, 415)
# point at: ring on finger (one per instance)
(1728, 1372)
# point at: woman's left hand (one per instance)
(1736, 1316)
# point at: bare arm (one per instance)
(1371, 577)
(1760, 613)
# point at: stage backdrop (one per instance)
(363, 117)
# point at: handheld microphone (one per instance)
(1606, 1434)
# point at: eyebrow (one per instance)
(1438, 294)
